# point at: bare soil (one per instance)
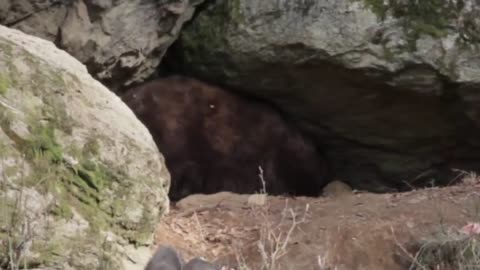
(346, 231)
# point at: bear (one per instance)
(215, 140)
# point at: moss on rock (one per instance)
(206, 35)
(4, 84)
(427, 17)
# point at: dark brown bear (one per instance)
(213, 140)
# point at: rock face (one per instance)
(82, 183)
(388, 88)
(215, 141)
(121, 42)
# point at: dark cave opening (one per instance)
(293, 168)
(222, 142)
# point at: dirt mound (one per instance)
(353, 231)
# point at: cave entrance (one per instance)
(215, 138)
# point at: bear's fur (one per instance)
(214, 140)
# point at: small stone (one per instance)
(336, 188)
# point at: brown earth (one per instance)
(353, 231)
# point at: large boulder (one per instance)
(388, 88)
(82, 183)
(121, 42)
(214, 140)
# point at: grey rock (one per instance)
(120, 42)
(389, 91)
(86, 173)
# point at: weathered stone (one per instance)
(390, 89)
(77, 168)
(337, 189)
(121, 42)
(216, 141)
